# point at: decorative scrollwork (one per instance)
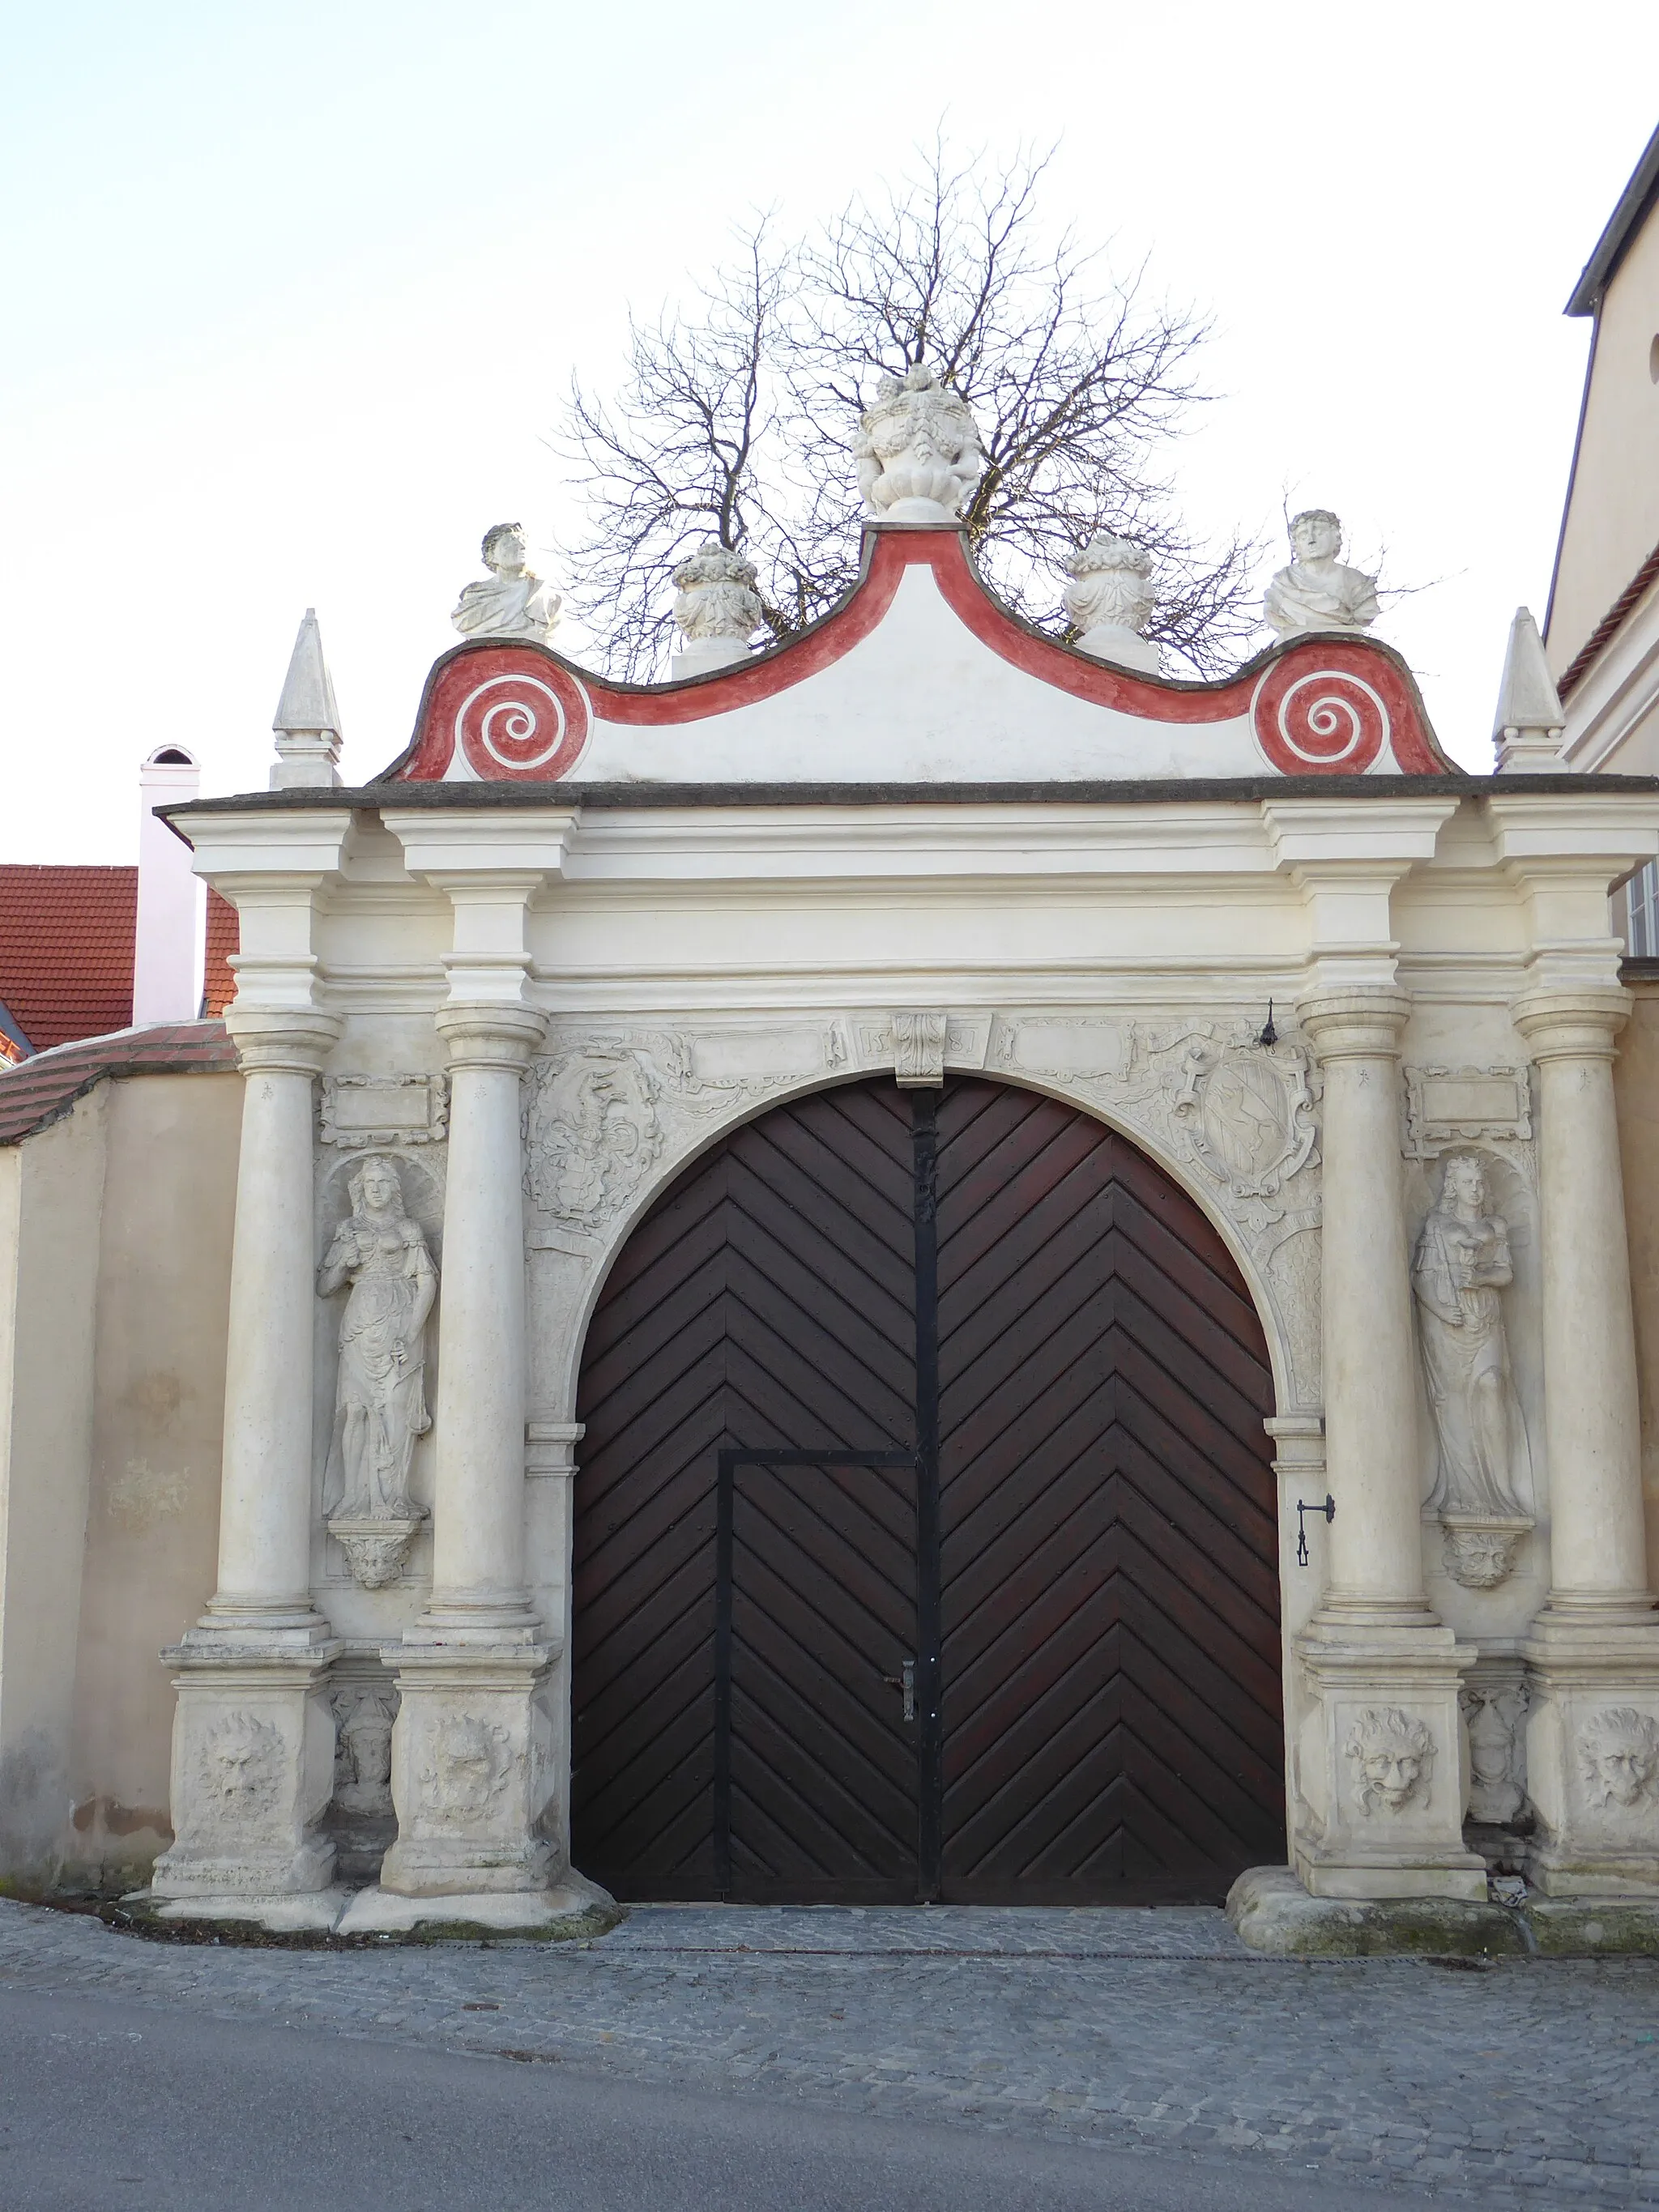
(1319, 721)
(512, 724)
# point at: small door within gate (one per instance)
(823, 1724)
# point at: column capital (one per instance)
(1354, 1024)
(489, 1033)
(1572, 1024)
(290, 1043)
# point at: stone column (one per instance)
(1380, 1758)
(253, 1739)
(1594, 1647)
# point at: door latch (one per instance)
(905, 1680)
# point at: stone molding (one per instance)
(488, 1034)
(1572, 1024)
(1358, 1024)
(415, 1110)
(295, 1043)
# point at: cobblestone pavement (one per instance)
(1517, 2083)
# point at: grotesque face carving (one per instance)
(1393, 1758)
(1618, 1757)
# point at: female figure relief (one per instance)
(1460, 1265)
(380, 1400)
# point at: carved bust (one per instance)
(1318, 590)
(1111, 602)
(917, 450)
(513, 603)
(1393, 1758)
(1618, 1757)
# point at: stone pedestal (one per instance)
(1379, 1764)
(471, 1771)
(252, 1774)
(1592, 1734)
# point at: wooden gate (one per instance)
(925, 1539)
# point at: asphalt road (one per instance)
(106, 2104)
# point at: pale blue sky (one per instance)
(292, 295)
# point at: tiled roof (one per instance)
(41, 1090)
(66, 950)
(224, 935)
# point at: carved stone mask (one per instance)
(1392, 1773)
(1620, 1756)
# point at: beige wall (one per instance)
(1613, 511)
(158, 1405)
(1635, 1086)
(115, 1233)
(51, 1197)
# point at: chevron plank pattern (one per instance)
(768, 1299)
(1108, 1540)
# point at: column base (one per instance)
(1274, 1913)
(562, 1911)
(316, 1912)
(471, 1769)
(1379, 1767)
(1593, 1750)
(252, 1767)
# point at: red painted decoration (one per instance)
(1320, 706)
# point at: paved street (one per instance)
(702, 2057)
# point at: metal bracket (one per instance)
(1329, 1509)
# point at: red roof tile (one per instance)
(224, 937)
(41, 1090)
(66, 952)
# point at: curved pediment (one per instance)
(918, 676)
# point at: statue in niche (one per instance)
(1318, 590)
(1494, 1712)
(513, 603)
(1460, 1265)
(362, 1759)
(380, 1398)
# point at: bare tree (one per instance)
(736, 416)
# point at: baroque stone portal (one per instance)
(380, 1396)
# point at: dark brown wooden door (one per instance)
(1074, 1531)
(768, 1299)
(1110, 1576)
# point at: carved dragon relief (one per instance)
(609, 1111)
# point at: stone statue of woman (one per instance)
(1460, 1265)
(380, 1400)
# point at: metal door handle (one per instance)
(905, 1680)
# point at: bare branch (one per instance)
(734, 418)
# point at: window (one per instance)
(1638, 906)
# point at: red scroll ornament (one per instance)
(510, 722)
(1313, 715)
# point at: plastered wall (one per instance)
(1636, 1087)
(115, 1234)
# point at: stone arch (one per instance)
(554, 1386)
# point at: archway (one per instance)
(925, 1533)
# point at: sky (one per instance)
(293, 294)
